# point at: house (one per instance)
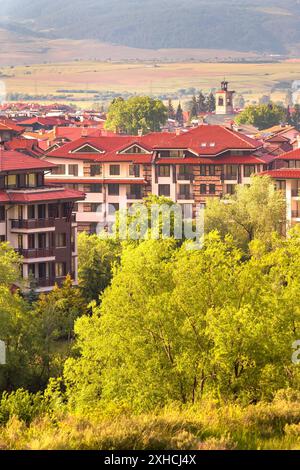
(37, 220)
(8, 130)
(188, 167)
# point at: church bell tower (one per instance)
(224, 99)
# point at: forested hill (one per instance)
(270, 26)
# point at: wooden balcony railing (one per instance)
(185, 197)
(185, 177)
(134, 196)
(37, 253)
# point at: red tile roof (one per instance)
(213, 140)
(36, 196)
(292, 155)
(283, 173)
(13, 161)
(8, 125)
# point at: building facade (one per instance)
(38, 221)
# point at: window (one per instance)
(230, 188)
(2, 213)
(232, 171)
(53, 211)
(202, 170)
(96, 207)
(249, 170)
(31, 241)
(41, 211)
(60, 269)
(134, 170)
(134, 149)
(87, 207)
(96, 170)
(73, 170)
(281, 185)
(42, 269)
(164, 190)
(164, 171)
(10, 181)
(60, 240)
(42, 240)
(20, 242)
(176, 153)
(95, 188)
(212, 189)
(59, 170)
(2, 238)
(221, 102)
(294, 164)
(114, 170)
(31, 212)
(202, 188)
(31, 180)
(113, 208)
(211, 170)
(184, 189)
(31, 270)
(113, 190)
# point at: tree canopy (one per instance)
(262, 116)
(139, 113)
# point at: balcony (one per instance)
(37, 253)
(296, 192)
(134, 196)
(32, 223)
(185, 197)
(185, 177)
(229, 177)
(49, 281)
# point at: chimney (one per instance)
(84, 132)
(140, 132)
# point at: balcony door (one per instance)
(42, 211)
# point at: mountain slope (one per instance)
(265, 26)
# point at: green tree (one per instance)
(211, 103)
(202, 103)
(252, 212)
(295, 117)
(262, 116)
(171, 111)
(193, 108)
(139, 113)
(96, 258)
(179, 115)
(179, 325)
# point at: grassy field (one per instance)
(252, 80)
(203, 427)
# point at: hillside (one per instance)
(264, 26)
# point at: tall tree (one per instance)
(171, 111)
(211, 102)
(139, 113)
(179, 115)
(201, 103)
(193, 113)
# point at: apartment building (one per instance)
(286, 174)
(38, 220)
(188, 167)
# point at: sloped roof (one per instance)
(13, 161)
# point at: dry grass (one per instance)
(204, 427)
(253, 80)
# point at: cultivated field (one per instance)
(252, 80)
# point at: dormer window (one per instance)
(11, 181)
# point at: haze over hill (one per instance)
(262, 26)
